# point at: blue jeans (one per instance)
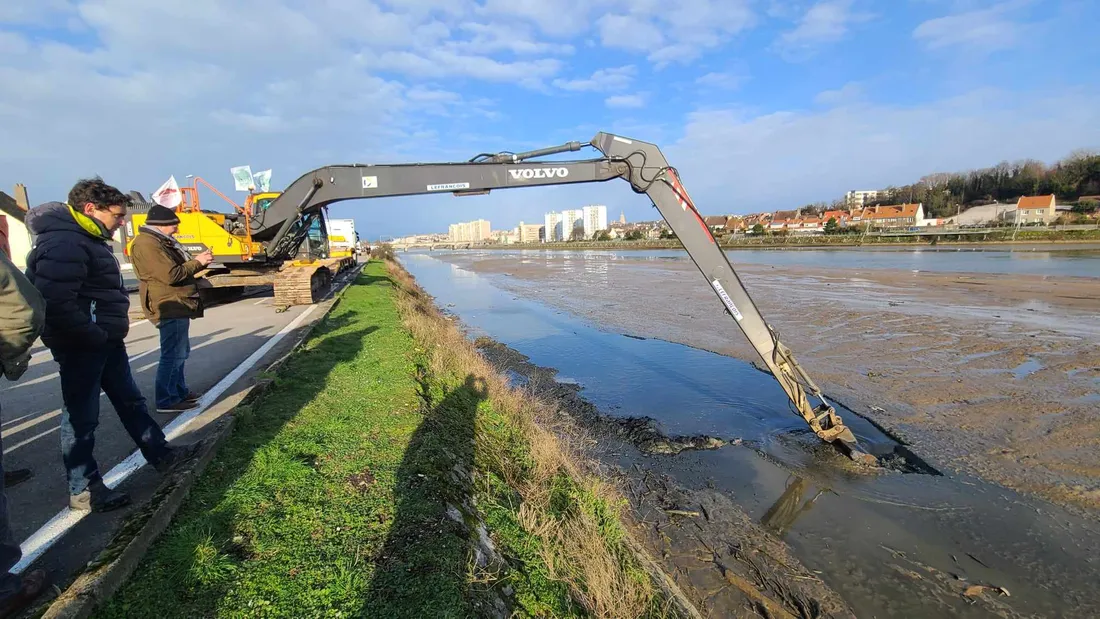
(83, 374)
(10, 553)
(175, 347)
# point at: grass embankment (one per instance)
(332, 495)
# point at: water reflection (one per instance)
(782, 515)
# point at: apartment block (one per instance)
(470, 231)
(595, 219)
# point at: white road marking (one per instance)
(42, 379)
(56, 528)
(46, 351)
(8, 450)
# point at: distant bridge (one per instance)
(432, 246)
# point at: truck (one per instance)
(343, 240)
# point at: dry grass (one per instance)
(576, 516)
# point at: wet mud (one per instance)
(991, 374)
(688, 430)
(727, 565)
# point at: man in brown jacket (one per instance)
(169, 294)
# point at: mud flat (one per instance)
(708, 445)
(988, 374)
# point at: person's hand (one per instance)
(15, 368)
(205, 258)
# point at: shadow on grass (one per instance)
(422, 568)
(192, 562)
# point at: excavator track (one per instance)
(307, 283)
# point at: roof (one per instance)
(11, 208)
(891, 212)
(1035, 201)
(838, 214)
(715, 220)
(784, 215)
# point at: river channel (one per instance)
(892, 544)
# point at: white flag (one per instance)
(263, 180)
(169, 194)
(242, 177)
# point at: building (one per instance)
(859, 198)
(622, 217)
(15, 239)
(986, 214)
(894, 216)
(716, 222)
(595, 219)
(551, 227)
(1035, 209)
(529, 233)
(470, 232)
(567, 225)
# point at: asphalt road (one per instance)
(31, 409)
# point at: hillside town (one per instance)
(857, 212)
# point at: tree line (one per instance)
(946, 193)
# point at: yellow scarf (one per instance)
(87, 223)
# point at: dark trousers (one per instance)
(175, 347)
(83, 374)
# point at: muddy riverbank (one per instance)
(895, 542)
(995, 375)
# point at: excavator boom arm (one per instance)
(642, 165)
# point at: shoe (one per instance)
(33, 583)
(178, 407)
(176, 455)
(99, 498)
(192, 397)
(16, 477)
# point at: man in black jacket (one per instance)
(87, 320)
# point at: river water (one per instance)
(1039, 259)
(893, 545)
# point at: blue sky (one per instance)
(760, 104)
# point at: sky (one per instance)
(759, 104)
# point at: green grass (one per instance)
(330, 497)
(315, 505)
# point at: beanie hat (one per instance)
(161, 216)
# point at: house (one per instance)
(735, 223)
(1035, 209)
(15, 239)
(893, 216)
(716, 222)
(841, 217)
(782, 219)
(809, 224)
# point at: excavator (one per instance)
(279, 227)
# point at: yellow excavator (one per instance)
(282, 239)
(241, 259)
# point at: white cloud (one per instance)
(725, 81)
(851, 92)
(625, 101)
(786, 158)
(555, 17)
(603, 80)
(442, 62)
(679, 35)
(495, 37)
(827, 21)
(629, 32)
(984, 30)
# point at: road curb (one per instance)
(102, 577)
